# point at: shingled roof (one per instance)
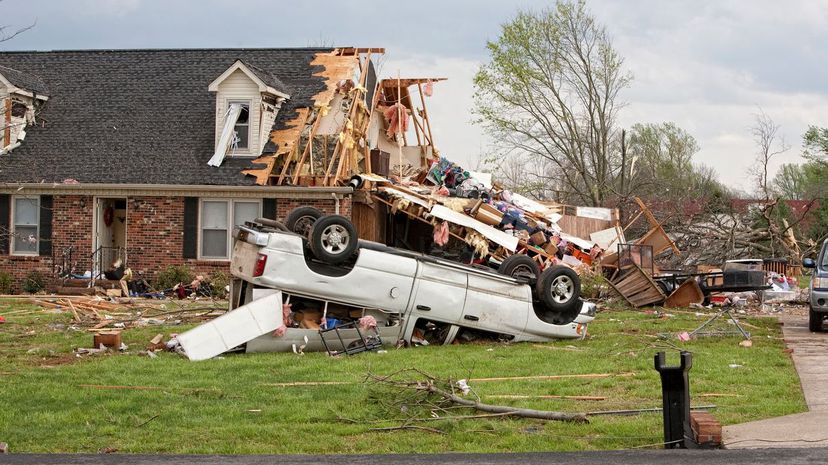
(142, 116)
(269, 79)
(24, 81)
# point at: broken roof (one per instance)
(24, 81)
(143, 116)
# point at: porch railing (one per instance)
(104, 259)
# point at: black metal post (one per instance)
(675, 393)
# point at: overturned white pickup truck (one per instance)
(330, 277)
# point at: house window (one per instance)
(25, 230)
(217, 220)
(242, 127)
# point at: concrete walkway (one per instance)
(809, 429)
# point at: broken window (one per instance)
(26, 215)
(242, 127)
(18, 109)
(216, 226)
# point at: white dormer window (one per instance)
(247, 100)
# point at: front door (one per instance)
(109, 245)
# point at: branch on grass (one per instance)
(430, 388)
(420, 428)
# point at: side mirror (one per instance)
(808, 263)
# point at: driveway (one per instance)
(809, 429)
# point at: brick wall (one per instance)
(327, 206)
(155, 234)
(71, 226)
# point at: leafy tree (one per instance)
(660, 158)
(789, 181)
(816, 145)
(550, 91)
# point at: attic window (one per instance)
(18, 110)
(242, 127)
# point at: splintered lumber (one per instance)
(637, 288)
(542, 377)
(508, 396)
(74, 312)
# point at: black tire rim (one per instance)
(304, 224)
(524, 271)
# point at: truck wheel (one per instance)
(300, 220)
(520, 267)
(559, 288)
(333, 239)
(815, 320)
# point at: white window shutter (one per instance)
(226, 134)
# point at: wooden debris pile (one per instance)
(99, 314)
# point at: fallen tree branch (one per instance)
(397, 428)
(521, 412)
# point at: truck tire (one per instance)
(815, 321)
(520, 267)
(301, 219)
(559, 289)
(333, 239)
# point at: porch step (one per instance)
(68, 290)
(84, 283)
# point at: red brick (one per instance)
(155, 234)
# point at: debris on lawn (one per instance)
(443, 394)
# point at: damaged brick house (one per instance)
(105, 153)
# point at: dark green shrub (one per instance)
(34, 282)
(218, 282)
(172, 275)
(6, 282)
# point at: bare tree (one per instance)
(550, 91)
(770, 144)
(8, 32)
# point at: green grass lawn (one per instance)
(229, 405)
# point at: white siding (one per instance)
(238, 86)
(268, 117)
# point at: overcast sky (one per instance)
(706, 65)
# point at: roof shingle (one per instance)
(142, 116)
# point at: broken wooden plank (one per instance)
(548, 377)
(512, 396)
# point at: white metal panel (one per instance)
(377, 280)
(233, 328)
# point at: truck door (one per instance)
(439, 294)
(495, 305)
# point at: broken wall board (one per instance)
(608, 238)
(687, 293)
(497, 236)
(595, 213)
(261, 316)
